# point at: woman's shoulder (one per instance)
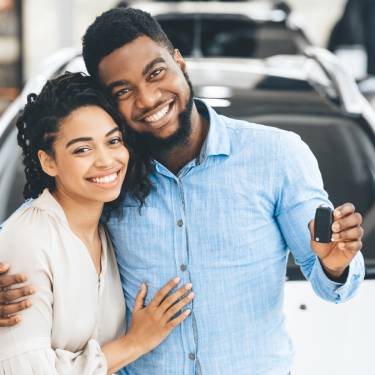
(31, 226)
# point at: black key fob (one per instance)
(323, 224)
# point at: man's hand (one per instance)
(336, 256)
(9, 308)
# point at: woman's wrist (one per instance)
(121, 352)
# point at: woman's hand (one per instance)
(151, 325)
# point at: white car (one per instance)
(312, 96)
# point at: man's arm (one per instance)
(12, 296)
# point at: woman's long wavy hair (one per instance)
(38, 127)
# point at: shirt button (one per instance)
(183, 267)
(192, 356)
(180, 223)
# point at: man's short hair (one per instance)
(115, 28)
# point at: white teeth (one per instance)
(105, 180)
(158, 115)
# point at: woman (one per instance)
(76, 159)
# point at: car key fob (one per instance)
(323, 224)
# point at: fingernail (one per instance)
(337, 213)
(188, 286)
(191, 295)
(17, 318)
(187, 312)
(177, 279)
(335, 237)
(28, 303)
(32, 290)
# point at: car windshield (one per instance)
(219, 35)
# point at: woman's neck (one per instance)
(83, 216)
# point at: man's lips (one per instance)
(158, 113)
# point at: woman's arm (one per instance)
(150, 325)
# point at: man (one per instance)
(229, 199)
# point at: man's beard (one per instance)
(157, 147)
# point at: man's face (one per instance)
(150, 87)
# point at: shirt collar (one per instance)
(217, 141)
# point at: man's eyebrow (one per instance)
(151, 64)
(121, 82)
(87, 139)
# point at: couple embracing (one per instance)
(157, 238)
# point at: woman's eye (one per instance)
(115, 141)
(81, 150)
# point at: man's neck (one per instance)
(182, 154)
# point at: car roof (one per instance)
(256, 10)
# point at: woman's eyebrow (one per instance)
(87, 139)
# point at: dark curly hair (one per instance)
(115, 28)
(39, 123)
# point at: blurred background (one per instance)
(31, 30)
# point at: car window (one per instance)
(228, 36)
(12, 173)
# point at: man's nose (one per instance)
(147, 97)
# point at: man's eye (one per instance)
(81, 150)
(156, 72)
(115, 141)
(122, 92)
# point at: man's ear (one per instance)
(179, 59)
(47, 163)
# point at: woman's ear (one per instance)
(47, 163)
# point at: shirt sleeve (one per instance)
(26, 348)
(301, 191)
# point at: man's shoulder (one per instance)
(244, 130)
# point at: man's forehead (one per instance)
(132, 58)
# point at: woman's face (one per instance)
(90, 159)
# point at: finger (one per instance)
(173, 298)
(13, 308)
(140, 299)
(343, 210)
(175, 322)
(4, 268)
(162, 293)
(352, 234)
(9, 280)
(11, 321)
(347, 222)
(312, 229)
(353, 246)
(11, 295)
(171, 312)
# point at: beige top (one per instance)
(73, 311)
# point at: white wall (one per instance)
(42, 24)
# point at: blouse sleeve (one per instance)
(26, 348)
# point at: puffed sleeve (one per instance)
(26, 348)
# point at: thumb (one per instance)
(140, 299)
(312, 229)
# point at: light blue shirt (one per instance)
(226, 224)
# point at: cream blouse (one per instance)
(74, 311)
